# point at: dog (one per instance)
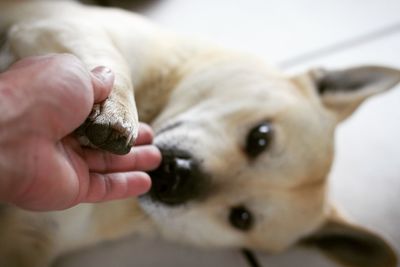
(246, 149)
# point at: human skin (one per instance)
(42, 165)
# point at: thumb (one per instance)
(102, 81)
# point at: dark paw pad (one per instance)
(109, 131)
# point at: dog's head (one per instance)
(246, 154)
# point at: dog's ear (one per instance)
(351, 245)
(342, 91)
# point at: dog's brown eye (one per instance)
(241, 218)
(258, 139)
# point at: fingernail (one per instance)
(103, 73)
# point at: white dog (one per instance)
(246, 150)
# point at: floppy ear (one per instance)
(342, 91)
(351, 245)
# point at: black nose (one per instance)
(178, 179)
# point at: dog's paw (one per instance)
(110, 127)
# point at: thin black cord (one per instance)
(250, 258)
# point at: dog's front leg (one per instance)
(113, 124)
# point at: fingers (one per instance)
(145, 135)
(105, 187)
(142, 158)
(115, 177)
(102, 81)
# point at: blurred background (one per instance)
(294, 35)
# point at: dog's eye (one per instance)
(241, 218)
(258, 139)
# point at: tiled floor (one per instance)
(297, 34)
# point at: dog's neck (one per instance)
(162, 75)
(153, 90)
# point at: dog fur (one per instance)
(203, 100)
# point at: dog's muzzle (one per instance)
(178, 179)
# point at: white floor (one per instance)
(297, 34)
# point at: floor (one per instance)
(296, 35)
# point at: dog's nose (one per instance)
(177, 180)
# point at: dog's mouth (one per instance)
(178, 179)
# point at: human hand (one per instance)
(42, 166)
